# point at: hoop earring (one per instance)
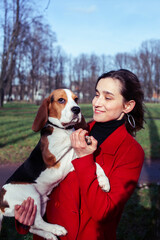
(131, 120)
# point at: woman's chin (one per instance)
(98, 118)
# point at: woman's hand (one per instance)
(26, 212)
(79, 144)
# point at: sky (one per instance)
(102, 26)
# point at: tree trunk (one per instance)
(9, 53)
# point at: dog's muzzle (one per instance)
(75, 110)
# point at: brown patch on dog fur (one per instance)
(74, 97)
(48, 157)
(55, 108)
(41, 117)
(3, 204)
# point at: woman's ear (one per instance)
(128, 106)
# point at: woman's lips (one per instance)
(97, 111)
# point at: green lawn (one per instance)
(17, 138)
(141, 217)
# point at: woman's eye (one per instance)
(61, 100)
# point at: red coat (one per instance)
(79, 204)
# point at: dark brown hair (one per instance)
(131, 90)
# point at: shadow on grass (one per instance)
(140, 219)
(9, 232)
(154, 140)
(17, 139)
(19, 129)
(153, 135)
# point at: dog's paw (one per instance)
(103, 183)
(59, 230)
(88, 140)
(102, 178)
(50, 236)
(44, 234)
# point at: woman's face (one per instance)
(108, 103)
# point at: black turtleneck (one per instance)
(101, 130)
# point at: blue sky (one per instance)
(102, 26)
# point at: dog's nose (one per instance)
(75, 110)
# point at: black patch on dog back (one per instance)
(30, 169)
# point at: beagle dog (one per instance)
(49, 163)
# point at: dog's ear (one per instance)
(82, 124)
(41, 117)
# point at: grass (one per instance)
(9, 232)
(149, 138)
(17, 138)
(152, 110)
(141, 217)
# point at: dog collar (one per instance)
(54, 125)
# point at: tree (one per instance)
(149, 56)
(94, 69)
(27, 49)
(60, 59)
(10, 43)
(80, 76)
(106, 63)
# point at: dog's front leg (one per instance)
(40, 224)
(47, 230)
(44, 234)
(102, 179)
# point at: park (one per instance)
(35, 59)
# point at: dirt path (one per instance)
(6, 171)
(150, 172)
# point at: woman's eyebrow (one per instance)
(96, 89)
(107, 92)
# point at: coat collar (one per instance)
(112, 143)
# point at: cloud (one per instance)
(88, 10)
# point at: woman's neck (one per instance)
(102, 130)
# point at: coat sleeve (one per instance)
(21, 229)
(123, 179)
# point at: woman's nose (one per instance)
(97, 101)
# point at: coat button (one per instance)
(81, 211)
(57, 204)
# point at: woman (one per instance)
(78, 203)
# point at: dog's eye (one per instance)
(76, 100)
(61, 100)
